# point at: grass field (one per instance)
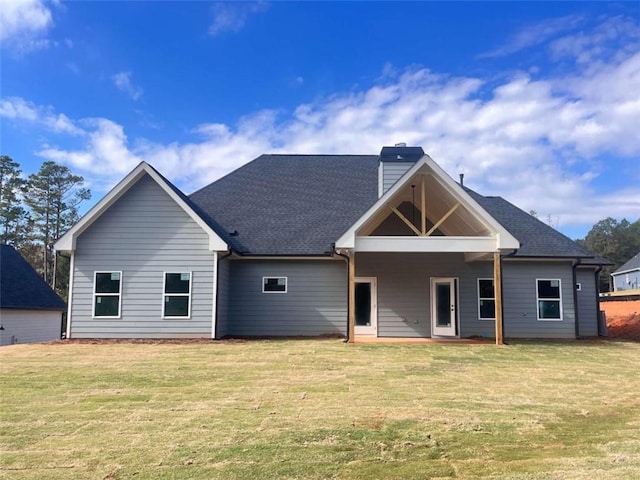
(320, 409)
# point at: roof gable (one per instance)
(21, 287)
(67, 242)
(483, 222)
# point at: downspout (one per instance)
(502, 257)
(226, 255)
(575, 295)
(346, 257)
(601, 332)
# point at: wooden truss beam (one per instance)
(405, 220)
(441, 221)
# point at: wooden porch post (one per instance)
(497, 293)
(352, 296)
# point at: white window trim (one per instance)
(286, 284)
(550, 299)
(165, 295)
(578, 287)
(486, 319)
(119, 295)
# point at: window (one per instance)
(578, 287)
(107, 289)
(549, 300)
(486, 299)
(274, 284)
(177, 295)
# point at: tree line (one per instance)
(37, 210)
(616, 241)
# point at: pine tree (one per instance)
(13, 216)
(53, 195)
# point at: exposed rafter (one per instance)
(405, 220)
(441, 221)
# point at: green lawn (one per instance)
(320, 409)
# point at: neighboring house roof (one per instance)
(632, 264)
(21, 286)
(301, 204)
(67, 242)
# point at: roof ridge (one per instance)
(318, 155)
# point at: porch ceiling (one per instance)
(438, 202)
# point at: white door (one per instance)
(366, 307)
(443, 307)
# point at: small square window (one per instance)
(274, 284)
(578, 287)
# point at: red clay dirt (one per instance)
(623, 319)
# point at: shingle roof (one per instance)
(632, 264)
(301, 204)
(537, 239)
(292, 204)
(21, 286)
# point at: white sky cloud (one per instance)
(232, 16)
(122, 81)
(536, 34)
(20, 110)
(539, 142)
(23, 24)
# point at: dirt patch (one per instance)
(620, 307)
(623, 318)
(625, 327)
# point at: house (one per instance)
(627, 277)
(30, 311)
(362, 246)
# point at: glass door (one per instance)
(443, 307)
(366, 307)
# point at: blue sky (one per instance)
(537, 102)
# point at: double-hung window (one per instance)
(486, 299)
(177, 295)
(549, 299)
(107, 290)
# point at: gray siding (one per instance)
(520, 306)
(626, 281)
(29, 326)
(144, 234)
(404, 299)
(315, 302)
(392, 171)
(587, 303)
(222, 322)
